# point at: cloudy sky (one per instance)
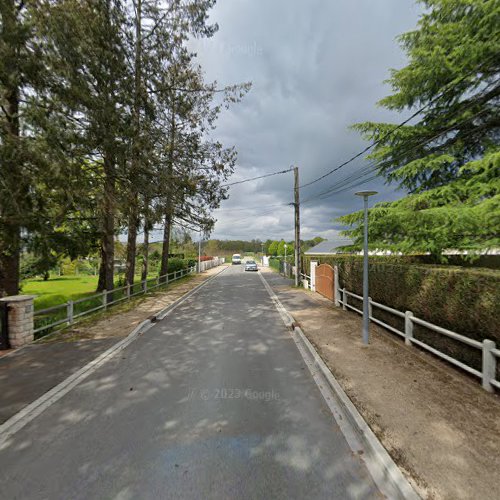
(316, 68)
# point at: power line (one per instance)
(400, 125)
(334, 189)
(256, 178)
(248, 208)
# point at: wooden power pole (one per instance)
(297, 226)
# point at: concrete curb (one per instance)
(382, 468)
(384, 471)
(31, 411)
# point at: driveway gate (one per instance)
(325, 281)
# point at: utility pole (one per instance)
(297, 226)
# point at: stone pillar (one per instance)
(19, 319)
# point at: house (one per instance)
(330, 247)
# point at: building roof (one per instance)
(329, 247)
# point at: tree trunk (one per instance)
(165, 246)
(10, 262)
(133, 219)
(106, 270)
(133, 224)
(15, 190)
(145, 253)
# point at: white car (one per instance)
(251, 265)
(236, 259)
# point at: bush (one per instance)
(176, 264)
(464, 300)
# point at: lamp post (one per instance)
(284, 265)
(366, 313)
(199, 254)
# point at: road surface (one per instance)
(214, 401)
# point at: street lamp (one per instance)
(366, 309)
(199, 254)
(284, 265)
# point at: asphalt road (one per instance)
(212, 402)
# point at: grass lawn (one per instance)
(60, 289)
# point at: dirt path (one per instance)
(121, 320)
(440, 426)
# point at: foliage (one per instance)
(462, 214)
(448, 159)
(273, 248)
(105, 126)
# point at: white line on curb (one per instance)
(361, 439)
(30, 412)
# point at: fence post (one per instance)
(69, 309)
(145, 286)
(344, 299)
(128, 291)
(489, 364)
(336, 285)
(408, 327)
(105, 299)
(370, 308)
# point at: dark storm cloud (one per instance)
(316, 68)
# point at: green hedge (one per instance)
(464, 300)
(275, 264)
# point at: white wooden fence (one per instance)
(489, 352)
(69, 312)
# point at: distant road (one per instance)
(212, 402)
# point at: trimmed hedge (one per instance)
(464, 300)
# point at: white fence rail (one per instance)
(488, 349)
(208, 264)
(68, 313)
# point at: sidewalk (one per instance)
(441, 427)
(30, 372)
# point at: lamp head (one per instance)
(366, 193)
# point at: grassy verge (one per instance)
(58, 290)
(63, 332)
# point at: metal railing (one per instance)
(488, 349)
(70, 311)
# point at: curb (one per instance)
(362, 440)
(31, 411)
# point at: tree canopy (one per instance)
(106, 125)
(447, 159)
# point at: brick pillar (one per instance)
(20, 319)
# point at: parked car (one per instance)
(236, 259)
(251, 265)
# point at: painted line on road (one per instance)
(30, 412)
(361, 439)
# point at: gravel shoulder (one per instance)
(440, 426)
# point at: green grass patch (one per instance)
(60, 289)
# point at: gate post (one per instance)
(336, 285)
(314, 264)
(19, 319)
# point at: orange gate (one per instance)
(325, 282)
